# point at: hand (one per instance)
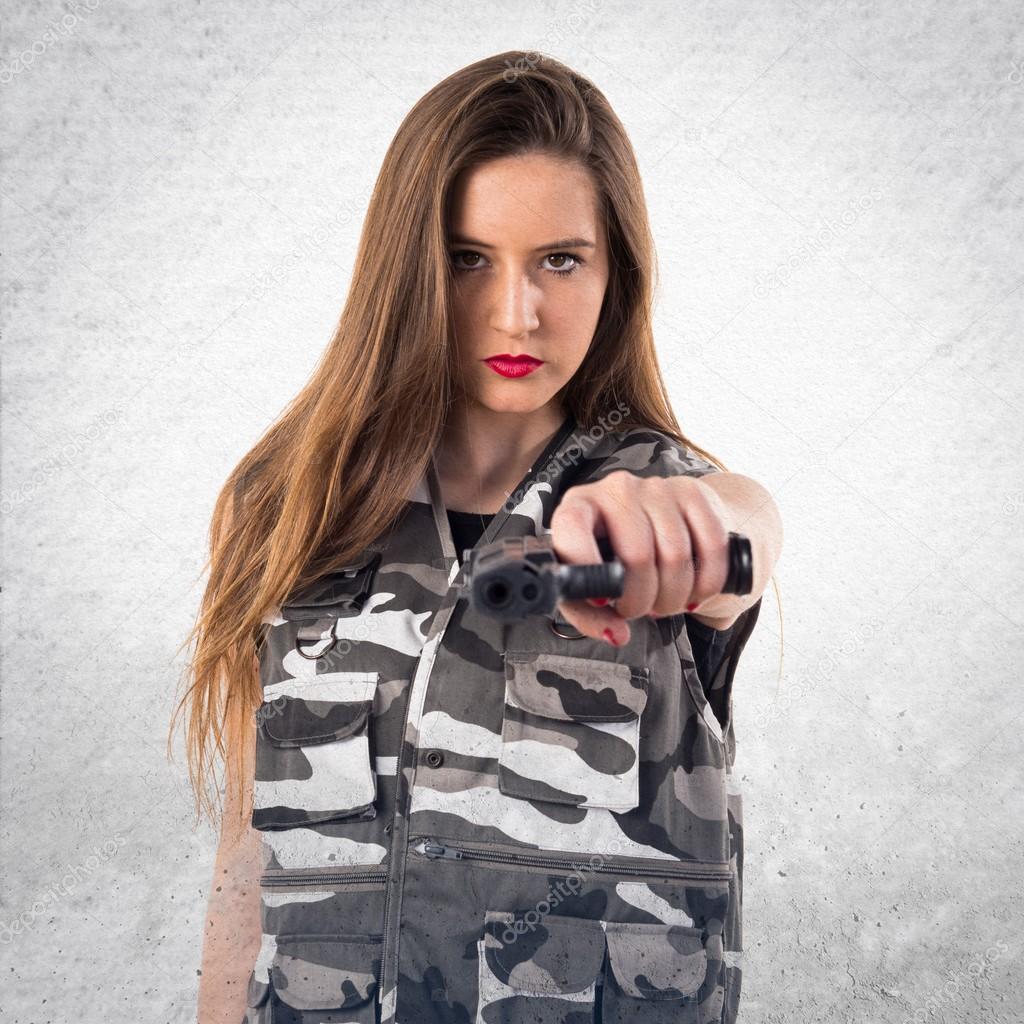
(669, 534)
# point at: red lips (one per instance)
(513, 366)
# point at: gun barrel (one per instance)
(513, 578)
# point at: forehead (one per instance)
(533, 197)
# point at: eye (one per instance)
(465, 252)
(475, 260)
(561, 270)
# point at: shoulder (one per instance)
(644, 452)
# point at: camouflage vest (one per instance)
(467, 821)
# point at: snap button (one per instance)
(435, 758)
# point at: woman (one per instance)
(433, 815)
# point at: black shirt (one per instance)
(708, 644)
(466, 529)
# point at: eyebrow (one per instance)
(562, 243)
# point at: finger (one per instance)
(598, 623)
(632, 539)
(709, 539)
(673, 554)
(616, 508)
(574, 524)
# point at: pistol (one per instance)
(515, 577)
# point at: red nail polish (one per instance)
(598, 602)
(610, 637)
(690, 607)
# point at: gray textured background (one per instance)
(836, 190)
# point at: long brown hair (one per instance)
(333, 473)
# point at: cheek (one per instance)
(465, 320)
(572, 316)
(469, 306)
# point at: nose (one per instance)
(513, 305)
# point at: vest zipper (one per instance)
(693, 870)
(323, 876)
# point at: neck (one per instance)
(483, 454)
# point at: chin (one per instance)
(513, 398)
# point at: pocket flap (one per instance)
(338, 593)
(553, 956)
(305, 712)
(575, 689)
(326, 972)
(657, 961)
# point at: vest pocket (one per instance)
(659, 974)
(545, 973)
(317, 973)
(571, 730)
(313, 756)
(555, 971)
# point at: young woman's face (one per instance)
(530, 264)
